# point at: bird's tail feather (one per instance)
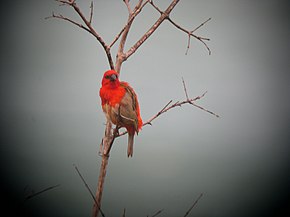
(130, 144)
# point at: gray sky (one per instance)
(51, 116)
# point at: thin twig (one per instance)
(127, 3)
(40, 192)
(168, 107)
(88, 27)
(121, 57)
(185, 89)
(194, 203)
(162, 17)
(88, 188)
(59, 16)
(206, 110)
(92, 11)
(188, 45)
(131, 18)
(157, 213)
(189, 33)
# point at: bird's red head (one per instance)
(111, 79)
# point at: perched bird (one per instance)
(120, 104)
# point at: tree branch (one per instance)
(92, 11)
(40, 192)
(193, 205)
(132, 15)
(131, 18)
(88, 188)
(157, 213)
(127, 3)
(59, 16)
(189, 33)
(170, 106)
(88, 27)
(162, 17)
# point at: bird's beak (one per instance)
(113, 77)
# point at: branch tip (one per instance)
(185, 90)
(193, 205)
(91, 14)
(157, 213)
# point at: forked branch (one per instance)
(132, 14)
(162, 17)
(188, 32)
(88, 27)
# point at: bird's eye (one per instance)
(107, 76)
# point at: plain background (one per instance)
(51, 116)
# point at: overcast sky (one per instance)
(51, 116)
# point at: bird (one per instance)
(120, 105)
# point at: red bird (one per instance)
(120, 104)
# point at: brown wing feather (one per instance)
(126, 111)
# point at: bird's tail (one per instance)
(130, 144)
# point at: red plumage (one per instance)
(120, 105)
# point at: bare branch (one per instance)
(87, 186)
(132, 15)
(189, 33)
(157, 213)
(168, 107)
(162, 17)
(130, 20)
(101, 181)
(59, 16)
(128, 6)
(206, 110)
(40, 192)
(185, 89)
(92, 11)
(202, 24)
(88, 27)
(193, 205)
(201, 39)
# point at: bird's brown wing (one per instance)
(127, 108)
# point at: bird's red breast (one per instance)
(120, 103)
